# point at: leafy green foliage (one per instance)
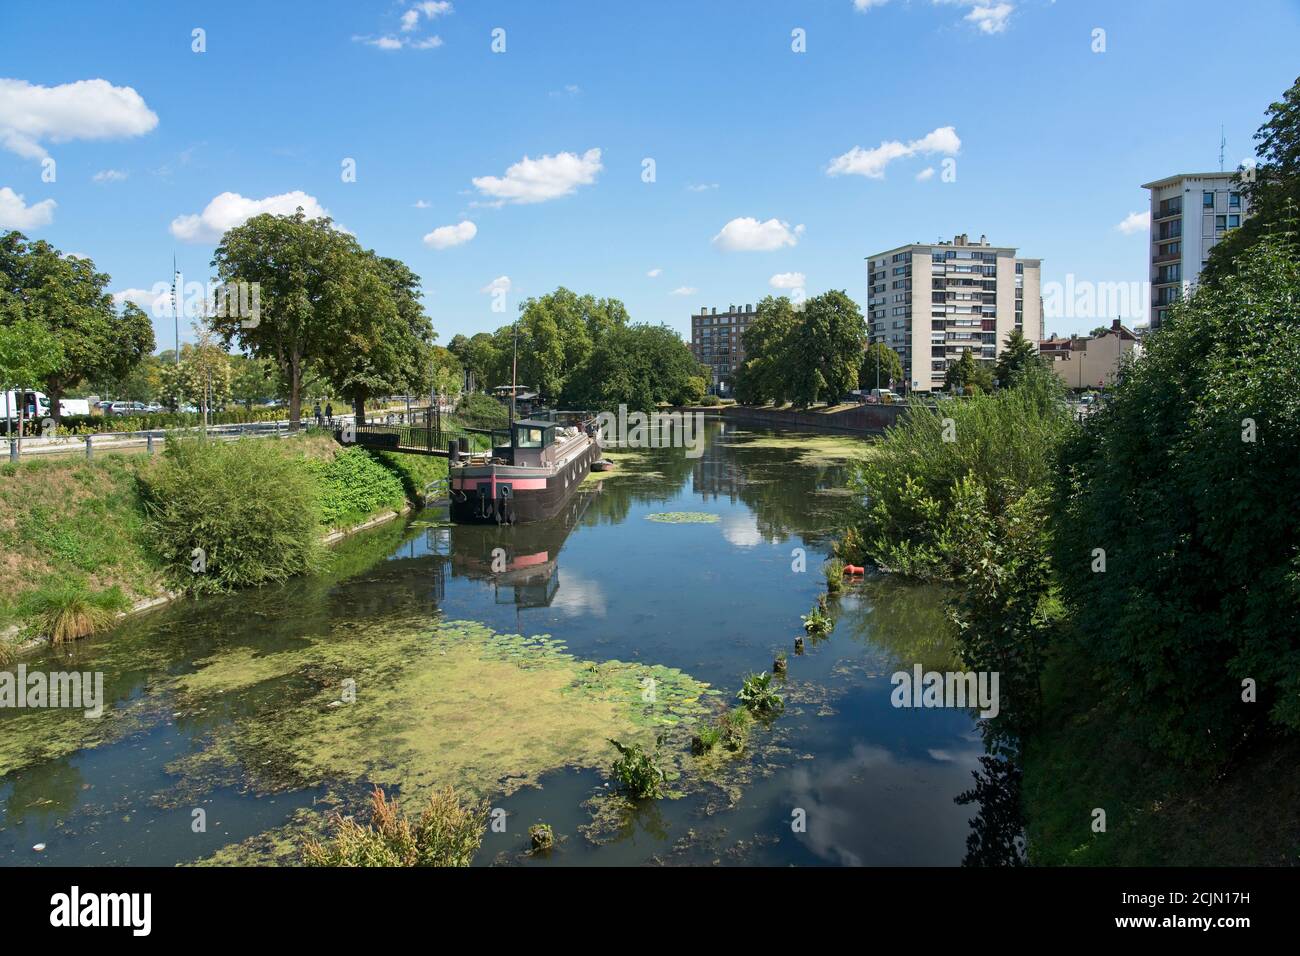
(640, 366)
(1019, 358)
(448, 832)
(68, 609)
(1189, 480)
(834, 571)
(880, 366)
(1005, 441)
(482, 411)
(969, 376)
(639, 770)
(252, 510)
(758, 697)
(806, 356)
(817, 622)
(354, 486)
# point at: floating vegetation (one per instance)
(684, 517)
(758, 697)
(541, 837)
(421, 708)
(448, 833)
(817, 622)
(813, 449)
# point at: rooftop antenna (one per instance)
(1222, 143)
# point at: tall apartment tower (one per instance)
(716, 341)
(1190, 213)
(931, 303)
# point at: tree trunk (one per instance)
(359, 408)
(295, 396)
(56, 399)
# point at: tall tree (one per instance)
(1019, 356)
(881, 367)
(29, 351)
(71, 299)
(1271, 188)
(765, 376)
(311, 280)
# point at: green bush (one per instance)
(250, 508)
(1005, 441)
(95, 424)
(482, 411)
(1189, 481)
(710, 401)
(354, 486)
(448, 833)
(758, 697)
(66, 610)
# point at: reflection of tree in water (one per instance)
(997, 835)
(906, 621)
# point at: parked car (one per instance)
(74, 406)
(883, 396)
(128, 408)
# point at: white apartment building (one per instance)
(931, 303)
(1190, 213)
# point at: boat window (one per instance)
(528, 438)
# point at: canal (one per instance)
(499, 661)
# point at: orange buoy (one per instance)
(854, 569)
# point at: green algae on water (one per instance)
(684, 517)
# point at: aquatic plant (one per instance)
(734, 728)
(541, 836)
(779, 664)
(448, 833)
(757, 695)
(69, 609)
(640, 771)
(705, 740)
(834, 571)
(817, 622)
(683, 517)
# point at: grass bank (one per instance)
(91, 538)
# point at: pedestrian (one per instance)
(329, 412)
(315, 413)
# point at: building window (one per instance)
(1234, 200)
(1234, 222)
(1207, 199)
(1220, 223)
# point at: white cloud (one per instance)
(410, 20)
(872, 162)
(231, 209)
(655, 273)
(155, 303)
(86, 109)
(444, 237)
(1135, 222)
(537, 180)
(109, 176)
(434, 8)
(992, 18)
(747, 234)
(16, 214)
(787, 280)
(701, 187)
(988, 16)
(390, 42)
(571, 89)
(925, 174)
(420, 204)
(499, 284)
(684, 290)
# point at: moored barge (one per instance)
(533, 469)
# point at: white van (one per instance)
(37, 405)
(74, 406)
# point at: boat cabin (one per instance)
(531, 443)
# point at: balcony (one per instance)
(1159, 214)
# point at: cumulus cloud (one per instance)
(87, 109)
(420, 204)
(16, 214)
(747, 234)
(684, 290)
(537, 180)
(444, 237)
(1135, 222)
(156, 303)
(987, 16)
(925, 174)
(109, 176)
(499, 284)
(872, 162)
(655, 273)
(787, 280)
(229, 210)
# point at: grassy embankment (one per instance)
(82, 540)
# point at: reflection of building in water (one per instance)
(717, 472)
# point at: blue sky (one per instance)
(1051, 140)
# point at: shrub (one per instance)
(834, 571)
(482, 411)
(249, 507)
(69, 609)
(1188, 481)
(710, 401)
(758, 697)
(1006, 441)
(817, 623)
(448, 833)
(640, 771)
(354, 486)
(733, 727)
